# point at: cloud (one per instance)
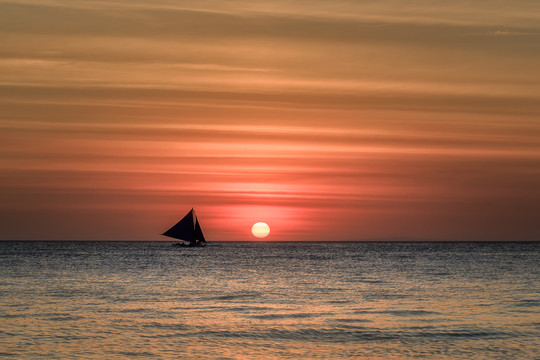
(514, 33)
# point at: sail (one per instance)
(188, 229)
(198, 232)
(184, 229)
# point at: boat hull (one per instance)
(178, 244)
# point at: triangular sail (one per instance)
(184, 229)
(198, 232)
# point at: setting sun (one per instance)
(260, 230)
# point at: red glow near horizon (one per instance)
(235, 221)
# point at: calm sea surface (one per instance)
(122, 300)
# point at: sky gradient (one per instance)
(342, 120)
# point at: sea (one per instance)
(270, 300)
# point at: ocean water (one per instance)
(262, 300)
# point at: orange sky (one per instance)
(342, 120)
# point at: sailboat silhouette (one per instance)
(188, 230)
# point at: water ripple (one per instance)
(270, 301)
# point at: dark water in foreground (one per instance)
(70, 300)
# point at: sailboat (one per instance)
(188, 230)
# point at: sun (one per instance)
(260, 230)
